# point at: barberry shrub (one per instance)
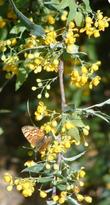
(51, 51)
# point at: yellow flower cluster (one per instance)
(36, 62)
(81, 198)
(50, 37)
(2, 22)
(57, 147)
(81, 173)
(67, 125)
(9, 179)
(94, 27)
(7, 43)
(71, 37)
(60, 199)
(85, 76)
(31, 42)
(25, 185)
(11, 70)
(10, 65)
(50, 19)
(41, 111)
(50, 127)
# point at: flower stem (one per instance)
(61, 71)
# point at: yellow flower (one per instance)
(94, 26)
(95, 81)
(43, 194)
(25, 185)
(95, 66)
(41, 111)
(96, 33)
(85, 131)
(8, 178)
(62, 200)
(71, 25)
(63, 194)
(11, 68)
(29, 163)
(55, 198)
(89, 20)
(47, 166)
(51, 19)
(88, 199)
(84, 70)
(80, 197)
(2, 22)
(64, 16)
(50, 38)
(9, 188)
(82, 173)
(56, 167)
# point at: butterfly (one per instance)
(36, 137)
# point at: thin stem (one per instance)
(63, 104)
(61, 71)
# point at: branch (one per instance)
(63, 100)
(63, 104)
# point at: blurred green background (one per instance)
(13, 115)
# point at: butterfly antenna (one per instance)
(29, 114)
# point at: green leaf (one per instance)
(21, 77)
(78, 18)
(34, 169)
(72, 201)
(53, 4)
(17, 29)
(3, 33)
(87, 5)
(34, 28)
(61, 187)
(44, 179)
(71, 159)
(72, 8)
(63, 5)
(77, 121)
(74, 133)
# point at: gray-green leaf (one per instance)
(44, 179)
(87, 5)
(21, 77)
(74, 133)
(34, 169)
(71, 159)
(72, 201)
(34, 28)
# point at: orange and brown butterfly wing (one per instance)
(34, 135)
(47, 141)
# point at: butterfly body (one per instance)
(36, 137)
